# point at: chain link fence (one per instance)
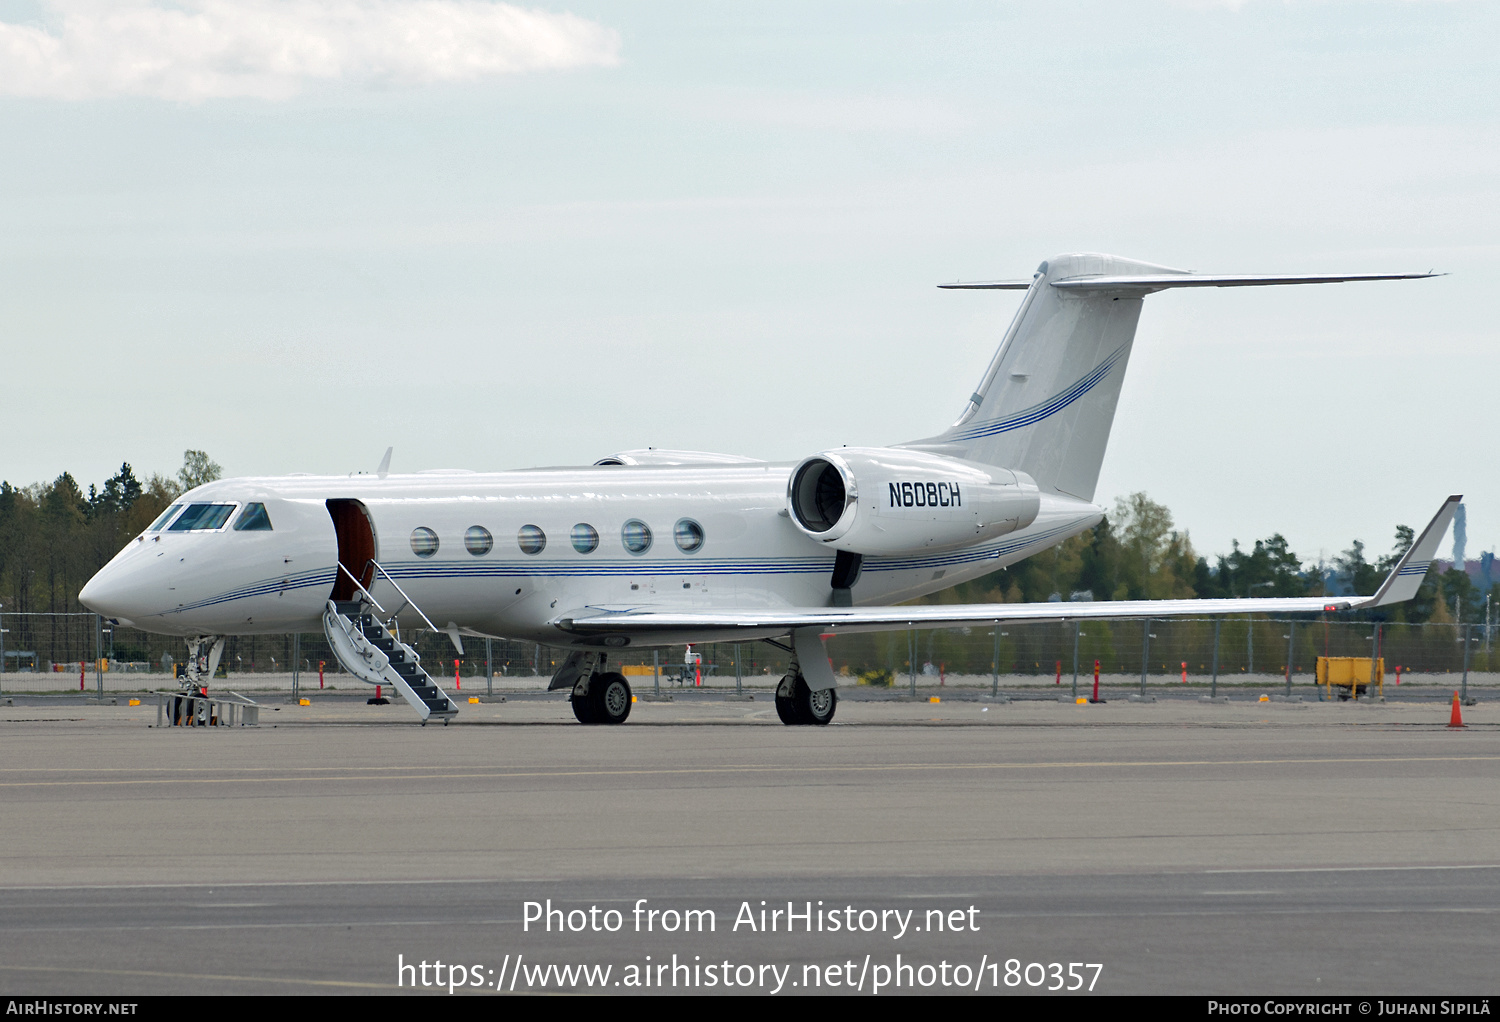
(61, 653)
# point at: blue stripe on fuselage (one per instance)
(480, 569)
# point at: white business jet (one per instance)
(653, 548)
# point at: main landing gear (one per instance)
(605, 700)
(597, 696)
(796, 703)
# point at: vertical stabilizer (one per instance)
(1046, 404)
(1047, 401)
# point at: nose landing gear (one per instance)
(204, 652)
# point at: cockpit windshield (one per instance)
(202, 518)
(166, 516)
(253, 519)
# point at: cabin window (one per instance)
(253, 519)
(688, 534)
(532, 539)
(166, 516)
(424, 542)
(202, 518)
(477, 540)
(636, 535)
(585, 538)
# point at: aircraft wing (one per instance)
(1400, 585)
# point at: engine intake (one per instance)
(887, 501)
(821, 493)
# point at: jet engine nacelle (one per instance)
(888, 501)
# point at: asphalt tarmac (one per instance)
(1171, 847)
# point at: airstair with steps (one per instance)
(369, 650)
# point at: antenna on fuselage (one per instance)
(385, 464)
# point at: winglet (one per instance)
(385, 464)
(1401, 584)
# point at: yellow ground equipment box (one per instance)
(1350, 675)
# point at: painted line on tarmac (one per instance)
(341, 924)
(760, 769)
(1351, 869)
(197, 976)
(749, 879)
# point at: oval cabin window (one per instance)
(585, 538)
(636, 535)
(424, 542)
(689, 535)
(532, 539)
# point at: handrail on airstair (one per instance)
(362, 589)
(410, 602)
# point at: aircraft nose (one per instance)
(105, 594)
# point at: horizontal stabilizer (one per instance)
(1148, 282)
(1160, 281)
(989, 285)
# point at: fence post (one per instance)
(1145, 652)
(489, 667)
(656, 672)
(995, 678)
(297, 662)
(1291, 630)
(911, 660)
(99, 653)
(1466, 665)
(738, 677)
(1213, 686)
(1077, 625)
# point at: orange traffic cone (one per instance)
(1457, 719)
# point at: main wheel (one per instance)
(814, 707)
(611, 698)
(583, 707)
(786, 706)
(786, 709)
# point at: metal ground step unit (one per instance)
(199, 709)
(368, 650)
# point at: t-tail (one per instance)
(1046, 403)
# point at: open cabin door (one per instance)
(356, 546)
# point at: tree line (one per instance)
(54, 537)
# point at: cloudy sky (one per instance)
(293, 232)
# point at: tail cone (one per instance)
(1456, 720)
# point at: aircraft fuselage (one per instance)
(507, 554)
